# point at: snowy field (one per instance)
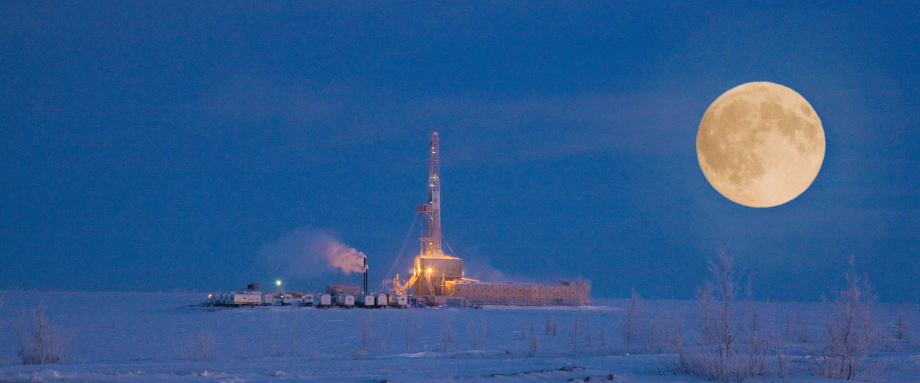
(161, 337)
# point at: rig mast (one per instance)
(430, 240)
(433, 271)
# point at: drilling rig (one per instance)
(438, 277)
(433, 270)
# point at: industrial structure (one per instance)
(433, 269)
(438, 278)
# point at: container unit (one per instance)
(398, 301)
(240, 298)
(345, 300)
(366, 301)
(323, 300)
(307, 300)
(267, 299)
(382, 300)
(288, 299)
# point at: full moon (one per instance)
(760, 144)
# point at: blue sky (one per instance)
(152, 146)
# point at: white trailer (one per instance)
(323, 300)
(381, 300)
(365, 300)
(307, 300)
(399, 301)
(288, 299)
(345, 300)
(268, 299)
(244, 298)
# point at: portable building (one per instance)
(345, 300)
(400, 301)
(365, 300)
(323, 300)
(381, 300)
(245, 298)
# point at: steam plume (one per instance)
(306, 253)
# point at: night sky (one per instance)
(163, 145)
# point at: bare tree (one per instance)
(201, 346)
(39, 341)
(576, 323)
(709, 325)
(718, 357)
(479, 333)
(550, 326)
(410, 330)
(534, 346)
(589, 335)
(365, 331)
(756, 347)
(629, 321)
(900, 331)
(801, 326)
(725, 286)
(850, 332)
(602, 336)
(447, 335)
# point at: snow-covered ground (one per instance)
(153, 337)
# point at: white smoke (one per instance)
(307, 253)
(342, 257)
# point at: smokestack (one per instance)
(365, 275)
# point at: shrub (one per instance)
(550, 326)
(629, 320)
(409, 332)
(576, 324)
(900, 331)
(365, 330)
(447, 336)
(202, 346)
(39, 341)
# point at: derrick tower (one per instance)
(433, 271)
(430, 240)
